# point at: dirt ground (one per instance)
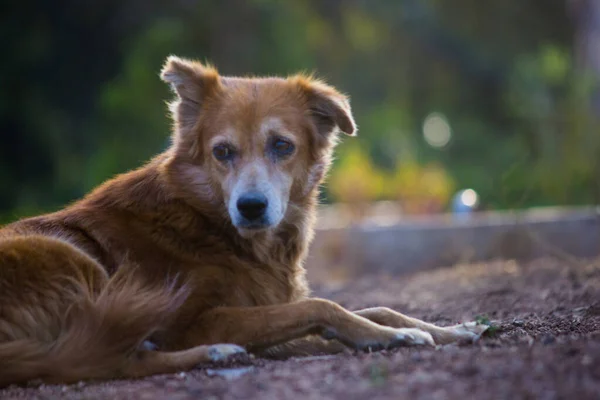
(546, 345)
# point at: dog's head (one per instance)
(257, 146)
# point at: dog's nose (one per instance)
(252, 205)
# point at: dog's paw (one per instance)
(469, 330)
(225, 352)
(392, 338)
(412, 337)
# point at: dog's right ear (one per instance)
(193, 82)
(329, 108)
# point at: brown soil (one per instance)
(547, 344)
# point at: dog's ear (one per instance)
(193, 82)
(329, 108)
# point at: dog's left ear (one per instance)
(193, 82)
(329, 108)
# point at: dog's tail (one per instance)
(95, 338)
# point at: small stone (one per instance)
(518, 322)
(548, 339)
(587, 360)
(230, 373)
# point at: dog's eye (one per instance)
(282, 147)
(223, 152)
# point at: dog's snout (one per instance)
(252, 205)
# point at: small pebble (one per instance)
(230, 373)
(587, 360)
(548, 339)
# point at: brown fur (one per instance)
(153, 254)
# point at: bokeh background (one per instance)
(500, 97)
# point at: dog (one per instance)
(200, 252)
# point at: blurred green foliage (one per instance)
(81, 99)
(418, 189)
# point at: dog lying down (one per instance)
(200, 251)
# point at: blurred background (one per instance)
(488, 104)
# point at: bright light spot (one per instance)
(436, 130)
(469, 198)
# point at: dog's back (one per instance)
(62, 317)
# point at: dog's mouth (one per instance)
(250, 226)
(251, 229)
(254, 225)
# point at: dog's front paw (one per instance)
(391, 338)
(471, 331)
(225, 352)
(412, 337)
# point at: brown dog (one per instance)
(202, 246)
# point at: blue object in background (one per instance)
(465, 202)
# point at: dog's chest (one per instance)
(262, 285)
(267, 275)
(246, 285)
(226, 272)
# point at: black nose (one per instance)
(252, 205)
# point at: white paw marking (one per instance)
(220, 352)
(412, 337)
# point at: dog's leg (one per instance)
(306, 346)
(258, 328)
(382, 316)
(146, 363)
(441, 335)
